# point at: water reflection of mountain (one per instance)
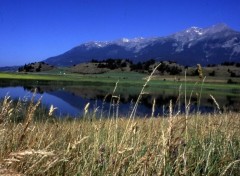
(79, 96)
(70, 98)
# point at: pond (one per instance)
(71, 100)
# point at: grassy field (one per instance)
(125, 78)
(40, 144)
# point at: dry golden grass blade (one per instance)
(153, 107)
(75, 144)
(216, 103)
(32, 152)
(8, 172)
(86, 109)
(229, 166)
(6, 109)
(51, 110)
(31, 110)
(200, 72)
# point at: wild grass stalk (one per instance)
(6, 110)
(134, 110)
(216, 103)
(29, 118)
(153, 107)
(112, 99)
(200, 95)
(133, 113)
(102, 107)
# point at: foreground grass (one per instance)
(176, 145)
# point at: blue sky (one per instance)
(33, 30)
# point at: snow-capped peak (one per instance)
(125, 40)
(189, 34)
(94, 44)
(195, 29)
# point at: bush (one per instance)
(230, 81)
(228, 63)
(233, 74)
(212, 73)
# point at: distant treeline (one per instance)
(237, 64)
(169, 67)
(112, 63)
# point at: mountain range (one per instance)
(211, 45)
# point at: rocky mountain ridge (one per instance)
(211, 45)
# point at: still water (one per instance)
(71, 100)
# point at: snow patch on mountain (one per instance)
(179, 48)
(189, 34)
(236, 49)
(195, 30)
(232, 42)
(125, 40)
(95, 44)
(135, 44)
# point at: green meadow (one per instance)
(124, 78)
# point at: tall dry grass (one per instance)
(156, 146)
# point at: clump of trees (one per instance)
(26, 68)
(112, 63)
(143, 66)
(211, 65)
(230, 81)
(165, 67)
(33, 67)
(212, 73)
(170, 69)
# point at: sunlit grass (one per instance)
(197, 145)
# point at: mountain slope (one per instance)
(210, 45)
